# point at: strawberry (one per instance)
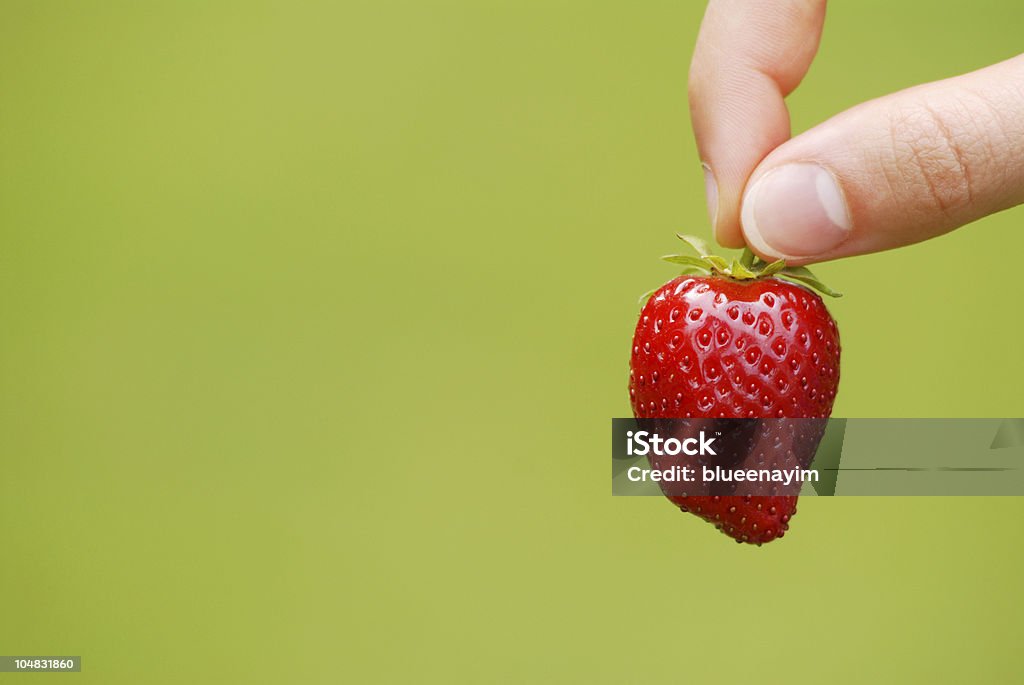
(739, 340)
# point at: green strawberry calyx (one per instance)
(747, 267)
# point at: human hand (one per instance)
(889, 172)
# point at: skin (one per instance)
(889, 172)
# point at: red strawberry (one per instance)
(738, 342)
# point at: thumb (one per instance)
(892, 171)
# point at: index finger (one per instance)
(750, 55)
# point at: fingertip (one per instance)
(711, 196)
(795, 211)
(732, 240)
(726, 229)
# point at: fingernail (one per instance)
(796, 210)
(711, 193)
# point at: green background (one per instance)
(313, 316)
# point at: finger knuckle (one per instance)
(933, 158)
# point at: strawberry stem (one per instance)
(747, 267)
